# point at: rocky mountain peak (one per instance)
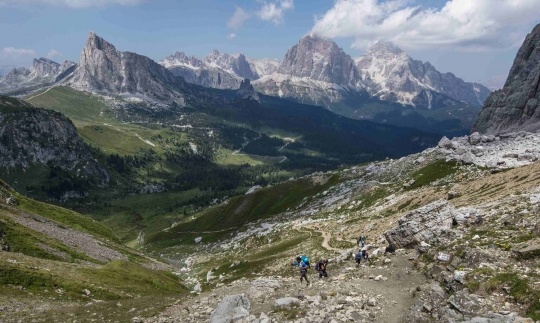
(382, 48)
(321, 59)
(103, 68)
(517, 105)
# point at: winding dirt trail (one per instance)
(35, 96)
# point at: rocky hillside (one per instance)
(517, 105)
(43, 72)
(102, 68)
(37, 142)
(451, 239)
(218, 70)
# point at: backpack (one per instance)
(358, 256)
(305, 259)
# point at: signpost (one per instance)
(443, 256)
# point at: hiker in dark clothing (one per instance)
(361, 241)
(303, 272)
(321, 268)
(358, 258)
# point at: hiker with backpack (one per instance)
(321, 268)
(361, 241)
(365, 254)
(358, 258)
(303, 272)
(300, 259)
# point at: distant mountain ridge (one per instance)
(218, 70)
(43, 72)
(318, 70)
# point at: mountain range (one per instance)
(318, 71)
(315, 71)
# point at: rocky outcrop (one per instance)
(246, 91)
(32, 137)
(517, 105)
(422, 225)
(44, 72)
(497, 152)
(103, 68)
(232, 308)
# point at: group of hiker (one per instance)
(302, 262)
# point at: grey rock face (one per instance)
(517, 105)
(319, 59)
(422, 224)
(103, 68)
(43, 72)
(231, 309)
(31, 136)
(315, 71)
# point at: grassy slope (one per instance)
(240, 210)
(46, 269)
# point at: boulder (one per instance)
(287, 302)
(261, 287)
(422, 224)
(232, 308)
(528, 251)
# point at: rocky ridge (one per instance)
(32, 137)
(44, 72)
(516, 107)
(218, 70)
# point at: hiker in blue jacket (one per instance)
(303, 272)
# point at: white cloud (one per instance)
(239, 17)
(72, 3)
(15, 53)
(275, 11)
(463, 24)
(53, 54)
(231, 35)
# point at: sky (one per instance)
(476, 40)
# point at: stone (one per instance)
(459, 276)
(287, 302)
(231, 307)
(198, 239)
(527, 251)
(372, 302)
(12, 201)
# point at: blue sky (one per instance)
(267, 28)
